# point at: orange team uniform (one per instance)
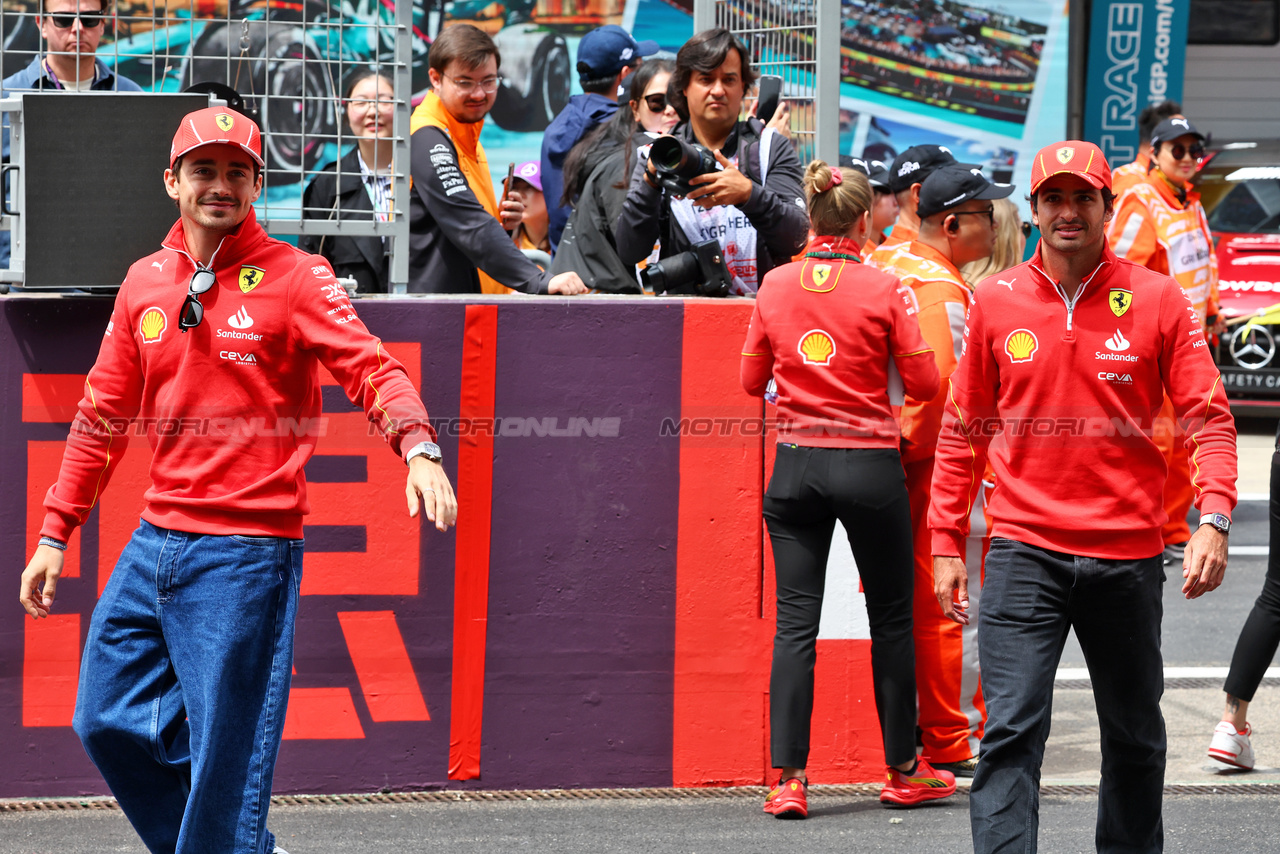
(899, 236)
(1156, 229)
(1127, 176)
(952, 712)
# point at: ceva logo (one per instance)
(240, 358)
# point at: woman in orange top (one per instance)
(841, 341)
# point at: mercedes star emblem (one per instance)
(1253, 347)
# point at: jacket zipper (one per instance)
(1070, 303)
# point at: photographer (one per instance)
(728, 180)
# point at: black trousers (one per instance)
(1031, 598)
(1260, 636)
(865, 489)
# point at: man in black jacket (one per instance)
(753, 204)
(457, 240)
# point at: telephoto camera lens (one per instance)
(676, 273)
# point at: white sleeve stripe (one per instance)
(956, 316)
(1130, 234)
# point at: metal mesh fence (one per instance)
(780, 37)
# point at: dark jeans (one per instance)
(1031, 597)
(1261, 633)
(184, 685)
(865, 489)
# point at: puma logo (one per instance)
(159, 265)
(1008, 285)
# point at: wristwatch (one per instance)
(1220, 521)
(430, 450)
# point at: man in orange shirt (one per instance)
(907, 173)
(1160, 224)
(1133, 173)
(957, 225)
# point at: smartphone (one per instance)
(506, 185)
(769, 93)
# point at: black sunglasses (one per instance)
(989, 213)
(657, 102)
(1026, 229)
(1179, 151)
(89, 20)
(192, 309)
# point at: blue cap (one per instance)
(606, 50)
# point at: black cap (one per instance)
(1172, 129)
(950, 186)
(914, 165)
(877, 173)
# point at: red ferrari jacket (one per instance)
(841, 340)
(232, 407)
(1063, 395)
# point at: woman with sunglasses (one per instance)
(358, 186)
(1160, 224)
(595, 182)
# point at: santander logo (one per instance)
(242, 320)
(1116, 343)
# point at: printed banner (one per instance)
(1137, 51)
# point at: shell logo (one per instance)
(1021, 345)
(153, 324)
(817, 347)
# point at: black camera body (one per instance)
(677, 161)
(699, 271)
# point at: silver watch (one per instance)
(430, 450)
(1220, 521)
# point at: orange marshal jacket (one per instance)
(232, 407)
(899, 236)
(1152, 227)
(1127, 176)
(1062, 396)
(942, 298)
(840, 339)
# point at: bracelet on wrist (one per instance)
(52, 543)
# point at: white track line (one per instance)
(1253, 496)
(1066, 673)
(1248, 551)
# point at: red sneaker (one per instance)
(788, 799)
(925, 784)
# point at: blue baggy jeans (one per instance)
(184, 683)
(1031, 597)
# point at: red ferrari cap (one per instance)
(217, 125)
(1072, 157)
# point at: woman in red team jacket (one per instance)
(842, 342)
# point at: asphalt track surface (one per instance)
(1230, 811)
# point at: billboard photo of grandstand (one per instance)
(970, 59)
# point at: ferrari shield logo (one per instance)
(250, 278)
(224, 121)
(1120, 300)
(1065, 154)
(821, 272)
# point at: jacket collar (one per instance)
(927, 252)
(234, 248)
(36, 76)
(465, 136)
(1180, 198)
(827, 246)
(1106, 265)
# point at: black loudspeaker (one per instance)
(93, 167)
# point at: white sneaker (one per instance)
(278, 850)
(1231, 747)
